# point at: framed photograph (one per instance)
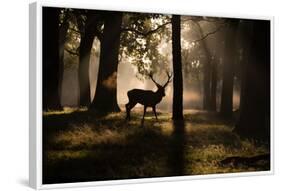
(121, 96)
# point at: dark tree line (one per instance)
(254, 117)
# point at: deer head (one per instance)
(161, 89)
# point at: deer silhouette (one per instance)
(147, 98)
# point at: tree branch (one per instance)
(209, 33)
(97, 33)
(145, 34)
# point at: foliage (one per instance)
(145, 42)
(72, 41)
(141, 40)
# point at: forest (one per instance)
(143, 95)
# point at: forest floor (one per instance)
(82, 146)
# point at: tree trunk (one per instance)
(62, 38)
(254, 120)
(84, 57)
(51, 62)
(206, 81)
(105, 99)
(206, 71)
(245, 40)
(214, 79)
(228, 70)
(177, 68)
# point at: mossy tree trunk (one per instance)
(86, 44)
(105, 99)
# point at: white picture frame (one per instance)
(35, 96)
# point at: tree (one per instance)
(105, 99)
(177, 68)
(216, 60)
(210, 68)
(214, 79)
(87, 38)
(254, 120)
(206, 70)
(245, 40)
(141, 36)
(62, 39)
(228, 69)
(51, 61)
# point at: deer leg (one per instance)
(154, 111)
(129, 106)
(128, 111)
(144, 111)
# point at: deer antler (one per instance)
(151, 77)
(169, 78)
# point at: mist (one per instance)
(127, 77)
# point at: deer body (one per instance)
(147, 98)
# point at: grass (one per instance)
(82, 146)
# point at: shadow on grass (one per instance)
(143, 155)
(82, 146)
(178, 151)
(212, 118)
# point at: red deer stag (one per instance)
(147, 98)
